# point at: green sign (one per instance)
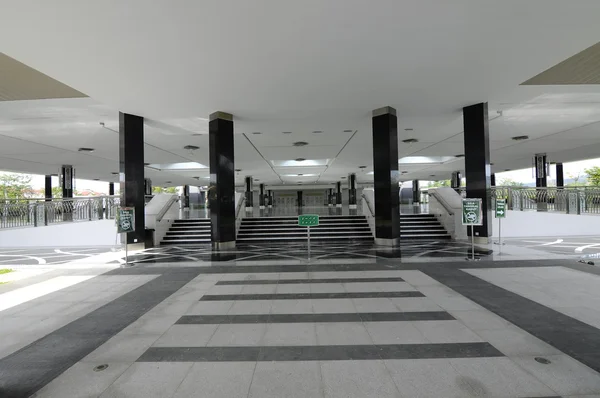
(125, 220)
(308, 220)
(500, 208)
(471, 212)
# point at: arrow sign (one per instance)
(500, 208)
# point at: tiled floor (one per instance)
(382, 329)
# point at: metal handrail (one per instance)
(363, 196)
(442, 201)
(166, 207)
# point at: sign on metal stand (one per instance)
(500, 214)
(125, 224)
(308, 220)
(472, 214)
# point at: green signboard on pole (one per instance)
(500, 208)
(471, 212)
(308, 220)
(125, 220)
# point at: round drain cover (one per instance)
(542, 360)
(100, 368)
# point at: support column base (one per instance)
(270, 206)
(395, 242)
(338, 205)
(353, 206)
(136, 246)
(262, 207)
(330, 205)
(249, 208)
(223, 245)
(481, 240)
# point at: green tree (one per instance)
(170, 190)
(56, 192)
(507, 182)
(437, 184)
(15, 186)
(593, 175)
(577, 180)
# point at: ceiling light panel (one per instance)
(295, 163)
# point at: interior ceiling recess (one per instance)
(581, 68)
(20, 82)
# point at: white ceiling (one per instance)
(306, 66)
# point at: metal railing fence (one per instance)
(15, 213)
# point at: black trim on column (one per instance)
(416, 193)
(131, 162)
(352, 189)
(48, 188)
(560, 176)
(222, 180)
(385, 177)
(477, 162)
(261, 196)
(338, 195)
(249, 194)
(111, 189)
(541, 173)
(493, 180)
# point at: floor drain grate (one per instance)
(100, 368)
(542, 360)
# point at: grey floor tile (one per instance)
(342, 333)
(411, 304)
(327, 288)
(122, 348)
(446, 332)
(395, 333)
(226, 289)
(513, 341)
(417, 278)
(217, 380)
(210, 308)
(291, 307)
(428, 378)
(149, 380)
(481, 320)
(81, 381)
(457, 303)
(260, 289)
(151, 324)
(293, 288)
(564, 375)
(499, 377)
(374, 305)
(241, 307)
(286, 380)
(357, 379)
(173, 307)
(186, 336)
(438, 291)
(297, 334)
(321, 306)
(238, 335)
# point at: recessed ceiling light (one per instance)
(343, 178)
(506, 169)
(317, 132)
(300, 143)
(256, 179)
(257, 132)
(409, 129)
(300, 160)
(238, 170)
(146, 164)
(348, 131)
(520, 138)
(286, 132)
(491, 164)
(197, 178)
(88, 150)
(168, 182)
(114, 173)
(362, 167)
(459, 156)
(410, 141)
(196, 135)
(96, 179)
(300, 174)
(431, 175)
(404, 172)
(191, 147)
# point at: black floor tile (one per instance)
(301, 296)
(296, 281)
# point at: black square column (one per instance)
(131, 163)
(477, 163)
(352, 191)
(48, 188)
(560, 176)
(222, 181)
(386, 177)
(416, 192)
(338, 195)
(249, 194)
(111, 189)
(261, 196)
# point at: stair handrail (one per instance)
(442, 201)
(166, 207)
(238, 219)
(371, 216)
(363, 196)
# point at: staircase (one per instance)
(421, 226)
(286, 229)
(193, 231)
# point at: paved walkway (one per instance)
(324, 329)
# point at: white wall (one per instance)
(85, 233)
(452, 200)
(533, 223)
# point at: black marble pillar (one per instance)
(455, 180)
(186, 196)
(338, 194)
(66, 181)
(261, 196)
(541, 181)
(352, 191)
(131, 163)
(299, 201)
(111, 189)
(477, 163)
(493, 180)
(222, 181)
(386, 177)
(48, 188)
(560, 176)
(416, 192)
(270, 198)
(249, 194)
(330, 197)
(202, 199)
